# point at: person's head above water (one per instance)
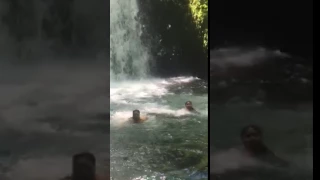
(251, 137)
(136, 115)
(189, 106)
(84, 166)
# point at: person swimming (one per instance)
(253, 160)
(252, 140)
(189, 107)
(136, 118)
(84, 168)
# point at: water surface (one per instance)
(172, 144)
(269, 89)
(47, 114)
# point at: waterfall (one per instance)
(128, 57)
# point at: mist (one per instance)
(53, 85)
(37, 29)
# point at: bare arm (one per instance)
(144, 118)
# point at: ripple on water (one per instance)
(172, 143)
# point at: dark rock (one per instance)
(172, 36)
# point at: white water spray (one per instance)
(128, 56)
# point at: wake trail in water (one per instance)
(149, 96)
(155, 98)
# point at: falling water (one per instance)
(128, 56)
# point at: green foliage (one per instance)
(199, 11)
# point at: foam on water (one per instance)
(141, 95)
(241, 57)
(157, 99)
(125, 91)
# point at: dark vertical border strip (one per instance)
(209, 82)
(108, 82)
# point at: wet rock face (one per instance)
(272, 79)
(15, 12)
(269, 23)
(57, 21)
(22, 16)
(174, 42)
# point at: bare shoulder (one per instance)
(144, 118)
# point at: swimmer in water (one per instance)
(136, 118)
(189, 107)
(252, 140)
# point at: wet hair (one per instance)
(86, 155)
(246, 128)
(136, 111)
(188, 102)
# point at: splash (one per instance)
(147, 96)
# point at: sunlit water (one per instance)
(172, 144)
(287, 125)
(47, 114)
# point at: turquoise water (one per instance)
(172, 144)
